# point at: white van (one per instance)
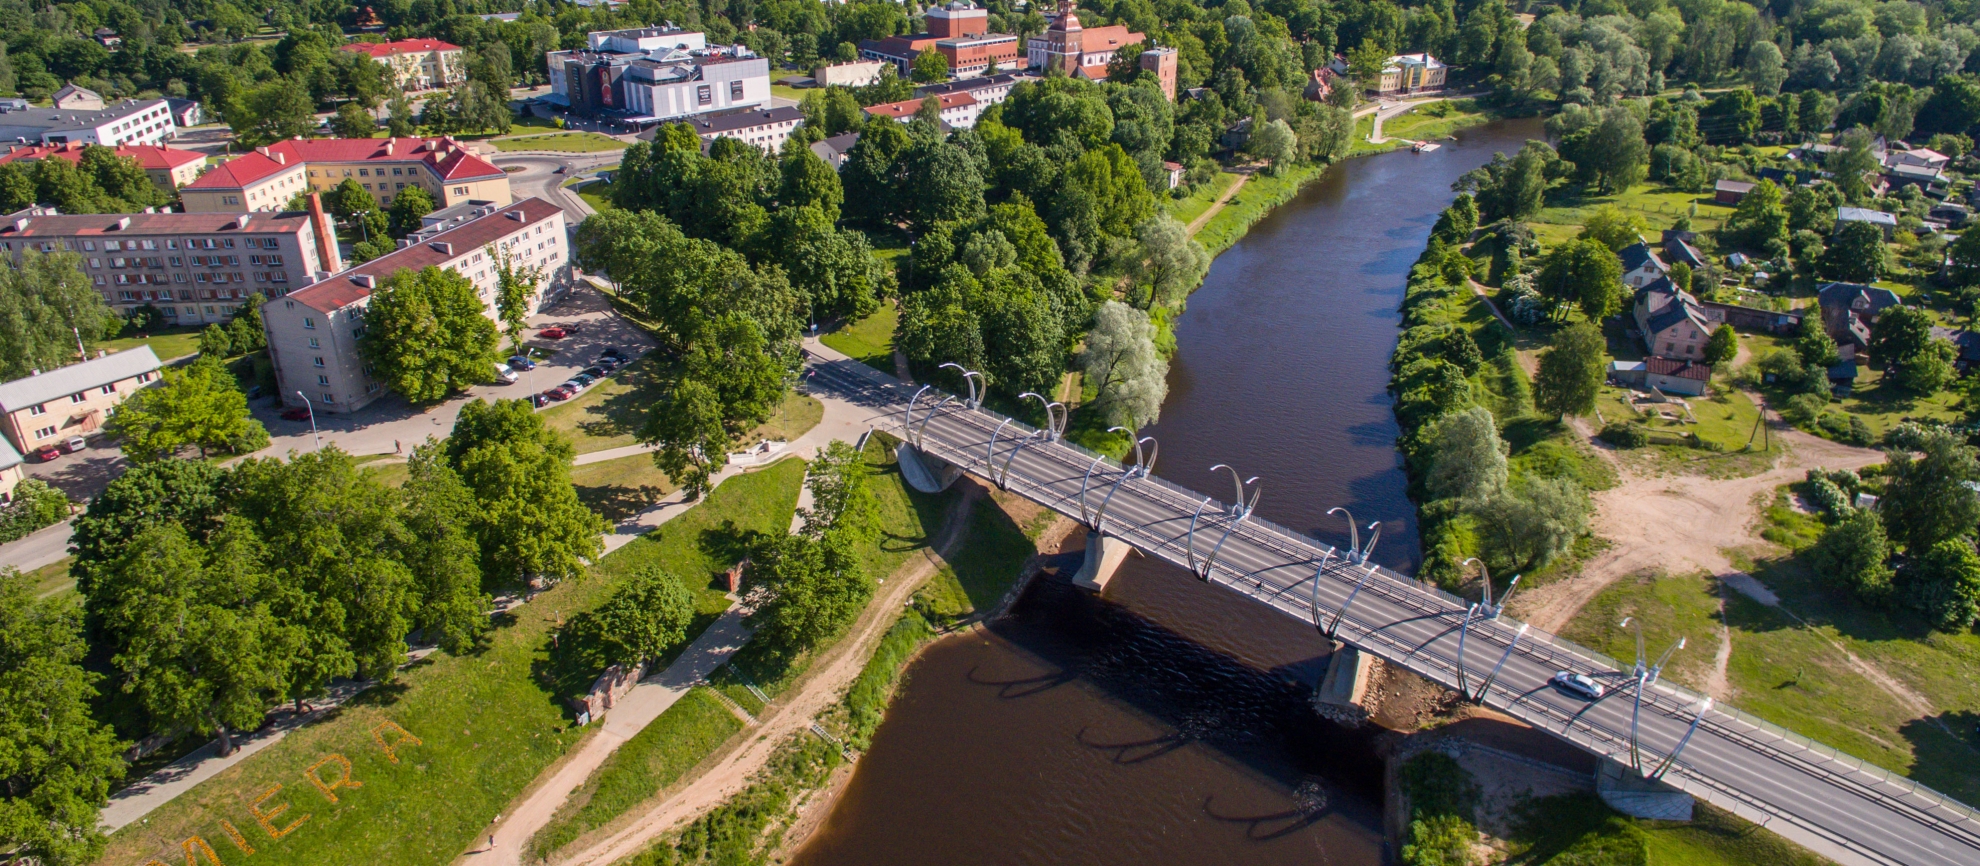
(504, 375)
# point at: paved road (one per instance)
(46, 546)
(1828, 802)
(536, 175)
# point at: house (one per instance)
(417, 64)
(1926, 179)
(767, 129)
(1752, 318)
(127, 122)
(1641, 266)
(268, 178)
(1849, 311)
(1923, 157)
(76, 98)
(1967, 344)
(169, 168)
(1678, 248)
(1411, 73)
(959, 31)
(1664, 374)
(1951, 213)
(1843, 374)
(107, 37)
(1671, 321)
(1730, 192)
(987, 90)
(1075, 49)
(959, 110)
(856, 74)
(833, 150)
(1874, 217)
(195, 268)
(313, 333)
(1321, 84)
(185, 112)
(1175, 171)
(11, 472)
(50, 407)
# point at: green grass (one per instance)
(869, 340)
(970, 584)
(1577, 829)
(653, 759)
(1188, 208)
(1723, 421)
(598, 195)
(1434, 121)
(53, 578)
(487, 723)
(563, 142)
(786, 91)
(389, 474)
(621, 487)
(610, 412)
(1657, 208)
(1259, 196)
(1883, 406)
(167, 343)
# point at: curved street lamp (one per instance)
(971, 378)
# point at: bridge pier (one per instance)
(924, 471)
(1343, 693)
(1629, 793)
(1103, 558)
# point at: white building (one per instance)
(767, 129)
(653, 74)
(127, 122)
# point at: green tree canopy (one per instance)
(529, 522)
(1944, 585)
(1586, 273)
(1926, 499)
(648, 614)
(198, 405)
(1571, 371)
(426, 337)
(46, 301)
(1854, 556)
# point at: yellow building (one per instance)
(417, 64)
(271, 176)
(50, 408)
(1409, 73)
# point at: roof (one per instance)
(1625, 366)
(719, 124)
(907, 107)
(9, 458)
(840, 143)
(446, 157)
(345, 288)
(1864, 214)
(87, 225)
(1679, 251)
(403, 46)
(69, 90)
(1638, 254)
(93, 373)
(981, 82)
(1677, 369)
(1843, 370)
(1109, 38)
(1738, 186)
(150, 156)
(1676, 307)
(1847, 295)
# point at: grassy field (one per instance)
(621, 487)
(1578, 830)
(1657, 208)
(53, 578)
(609, 414)
(166, 343)
(1723, 421)
(1259, 196)
(1187, 209)
(972, 584)
(598, 195)
(787, 92)
(563, 142)
(870, 340)
(432, 758)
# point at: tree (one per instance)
(1273, 142)
(425, 335)
(816, 587)
(1571, 372)
(1440, 840)
(515, 287)
(216, 341)
(439, 511)
(1610, 155)
(1926, 499)
(529, 522)
(1760, 219)
(408, 206)
(58, 760)
(34, 505)
(244, 331)
(692, 442)
(271, 112)
(1965, 254)
(198, 405)
(1584, 272)
(353, 121)
(1722, 346)
(1467, 458)
(649, 613)
(1813, 345)
(842, 498)
(1614, 227)
(1171, 263)
(808, 180)
(400, 122)
(930, 67)
(1128, 375)
(1764, 68)
(1853, 556)
(1944, 585)
(1531, 523)
(1902, 341)
(183, 493)
(47, 306)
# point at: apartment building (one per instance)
(767, 129)
(959, 110)
(268, 178)
(50, 407)
(195, 267)
(417, 64)
(168, 167)
(313, 333)
(987, 90)
(11, 471)
(127, 122)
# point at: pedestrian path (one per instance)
(45, 546)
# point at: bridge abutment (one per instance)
(924, 471)
(1103, 558)
(1629, 793)
(1343, 693)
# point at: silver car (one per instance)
(1578, 685)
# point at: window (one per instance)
(735, 90)
(329, 397)
(460, 190)
(96, 263)
(110, 388)
(44, 433)
(228, 242)
(254, 260)
(112, 246)
(364, 172)
(1670, 347)
(309, 323)
(78, 397)
(395, 172)
(89, 246)
(145, 377)
(322, 380)
(314, 344)
(230, 199)
(37, 409)
(318, 362)
(178, 262)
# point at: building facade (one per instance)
(196, 268)
(313, 333)
(268, 178)
(959, 110)
(767, 129)
(1075, 49)
(1161, 63)
(960, 32)
(169, 168)
(48, 408)
(858, 73)
(654, 74)
(1409, 73)
(127, 122)
(417, 64)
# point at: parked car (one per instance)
(1579, 685)
(552, 333)
(74, 444)
(299, 413)
(560, 392)
(572, 327)
(595, 372)
(584, 380)
(539, 400)
(505, 375)
(47, 453)
(518, 362)
(612, 352)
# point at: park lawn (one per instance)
(610, 412)
(621, 487)
(597, 194)
(563, 142)
(1725, 421)
(793, 417)
(1188, 208)
(1655, 206)
(787, 92)
(1579, 829)
(167, 343)
(870, 340)
(53, 578)
(1260, 195)
(392, 474)
(1424, 124)
(435, 756)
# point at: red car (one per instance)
(558, 393)
(552, 333)
(299, 413)
(47, 453)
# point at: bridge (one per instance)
(1659, 733)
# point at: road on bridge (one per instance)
(1828, 802)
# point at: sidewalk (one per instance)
(45, 546)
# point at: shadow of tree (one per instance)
(1947, 751)
(617, 502)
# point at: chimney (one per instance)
(515, 215)
(279, 158)
(261, 150)
(20, 225)
(326, 237)
(389, 144)
(123, 223)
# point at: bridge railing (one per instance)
(1679, 700)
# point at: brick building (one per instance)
(960, 32)
(1075, 49)
(269, 177)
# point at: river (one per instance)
(1168, 722)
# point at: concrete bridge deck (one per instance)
(1829, 802)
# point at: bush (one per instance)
(35, 505)
(1802, 409)
(1439, 840)
(1623, 434)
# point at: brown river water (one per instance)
(1169, 721)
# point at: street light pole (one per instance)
(312, 421)
(1645, 674)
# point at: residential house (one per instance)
(1678, 249)
(1849, 310)
(186, 113)
(1730, 192)
(168, 167)
(1926, 179)
(1752, 318)
(51, 407)
(77, 98)
(767, 129)
(417, 64)
(959, 110)
(1176, 172)
(1923, 157)
(1411, 73)
(960, 32)
(833, 150)
(1671, 322)
(1321, 84)
(1845, 215)
(11, 471)
(313, 333)
(1966, 343)
(196, 268)
(1641, 266)
(268, 178)
(127, 122)
(1077, 50)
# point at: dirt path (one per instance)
(1203, 218)
(792, 712)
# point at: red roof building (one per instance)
(269, 177)
(168, 167)
(417, 64)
